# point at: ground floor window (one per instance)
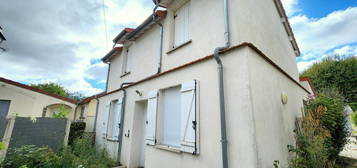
(170, 117)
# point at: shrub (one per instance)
(31, 156)
(310, 150)
(333, 120)
(62, 112)
(81, 154)
(354, 118)
(76, 131)
(2, 146)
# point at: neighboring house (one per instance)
(86, 112)
(164, 104)
(306, 82)
(17, 99)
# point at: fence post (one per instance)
(7, 135)
(68, 128)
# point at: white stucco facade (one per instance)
(256, 76)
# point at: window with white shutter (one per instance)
(170, 115)
(182, 25)
(126, 61)
(114, 119)
(189, 117)
(150, 137)
(105, 120)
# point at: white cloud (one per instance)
(56, 42)
(303, 65)
(336, 29)
(290, 6)
(347, 50)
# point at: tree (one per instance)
(336, 72)
(52, 88)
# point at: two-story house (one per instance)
(203, 83)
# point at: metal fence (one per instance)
(51, 132)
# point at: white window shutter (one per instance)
(117, 118)
(150, 137)
(105, 120)
(182, 24)
(189, 117)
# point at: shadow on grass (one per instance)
(346, 162)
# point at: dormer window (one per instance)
(182, 25)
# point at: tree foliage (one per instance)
(59, 90)
(52, 88)
(322, 133)
(336, 72)
(333, 120)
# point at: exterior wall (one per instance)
(246, 109)
(307, 85)
(274, 121)
(26, 103)
(253, 87)
(89, 114)
(256, 21)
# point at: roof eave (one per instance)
(146, 25)
(110, 54)
(287, 27)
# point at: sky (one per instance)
(63, 42)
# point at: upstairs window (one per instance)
(126, 62)
(182, 25)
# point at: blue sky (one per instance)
(323, 28)
(321, 8)
(79, 37)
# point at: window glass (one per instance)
(171, 115)
(4, 107)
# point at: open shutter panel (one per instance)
(151, 118)
(117, 118)
(182, 24)
(105, 120)
(189, 124)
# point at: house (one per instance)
(306, 82)
(17, 99)
(203, 84)
(86, 112)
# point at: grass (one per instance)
(346, 162)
